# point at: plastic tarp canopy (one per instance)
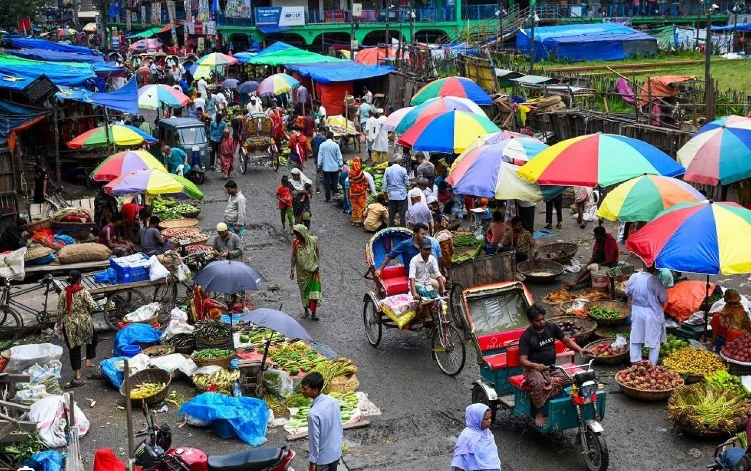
(31, 43)
(741, 27)
(667, 37)
(662, 86)
(14, 116)
(56, 56)
(289, 56)
(276, 47)
(603, 41)
(149, 32)
(343, 71)
(124, 99)
(17, 72)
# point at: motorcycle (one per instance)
(197, 173)
(156, 454)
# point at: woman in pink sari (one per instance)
(227, 153)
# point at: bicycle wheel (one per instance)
(456, 309)
(121, 303)
(11, 326)
(166, 295)
(371, 317)
(275, 161)
(243, 163)
(448, 349)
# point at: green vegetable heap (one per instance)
(604, 313)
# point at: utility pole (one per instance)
(708, 85)
(412, 18)
(736, 7)
(500, 25)
(533, 19)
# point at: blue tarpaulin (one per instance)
(17, 72)
(741, 27)
(124, 99)
(30, 43)
(47, 55)
(603, 41)
(344, 71)
(13, 116)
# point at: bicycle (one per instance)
(56, 202)
(167, 294)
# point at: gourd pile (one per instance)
(347, 403)
(705, 409)
(296, 358)
(212, 331)
(259, 337)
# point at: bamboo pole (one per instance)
(58, 166)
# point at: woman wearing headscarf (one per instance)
(358, 191)
(302, 189)
(227, 153)
(74, 308)
(475, 450)
(305, 261)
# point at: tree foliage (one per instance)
(13, 10)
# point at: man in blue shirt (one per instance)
(395, 183)
(216, 129)
(315, 143)
(330, 161)
(176, 160)
(407, 250)
(325, 434)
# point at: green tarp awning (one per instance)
(147, 34)
(291, 56)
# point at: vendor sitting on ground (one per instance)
(605, 253)
(152, 240)
(424, 275)
(732, 321)
(109, 235)
(537, 354)
(227, 244)
(518, 240)
(407, 250)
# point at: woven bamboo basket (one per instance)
(343, 384)
(622, 309)
(645, 395)
(191, 215)
(588, 327)
(188, 349)
(223, 362)
(178, 223)
(35, 253)
(213, 343)
(561, 252)
(77, 230)
(38, 225)
(152, 375)
(609, 360)
(159, 350)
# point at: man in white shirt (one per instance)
(202, 87)
(424, 275)
(254, 106)
(200, 102)
(367, 95)
(221, 102)
(371, 131)
(381, 142)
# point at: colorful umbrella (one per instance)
(90, 28)
(277, 84)
(511, 149)
(643, 198)
(119, 135)
(230, 83)
(452, 86)
(598, 159)
(393, 120)
(153, 97)
(705, 237)
(216, 59)
(247, 87)
(153, 182)
(123, 163)
(448, 132)
(719, 153)
(436, 105)
(66, 32)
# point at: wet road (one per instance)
(423, 410)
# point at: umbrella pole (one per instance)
(107, 129)
(265, 353)
(706, 307)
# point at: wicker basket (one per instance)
(159, 350)
(178, 223)
(645, 395)
(223, 362)
(191, 215)
(561, 252)
(214, 343)
(622, 308)
(343, 384)
(533, 270)
(611, 360)
(34, 226)
(607, 332)
(77, 230)
(35, 253)
(152, 375)
(588, 326)
(171, 231)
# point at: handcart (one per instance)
(344, 131)
(257, 142)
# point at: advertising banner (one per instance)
(280, 16)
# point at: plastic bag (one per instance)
(30, 394)
(178, 314)
(12, 265)
(175, 328)
(48, 460)
(109, 369)
(208, 370)
(142, 334)
(107, 276)
(248, 416)
(49, 413)
(40, 374)
(25, 356)
(136, 363)
(573, 267)
(620, 342)
(278, 382)
(157, 270)
(143, 313)
(183, 272)
(106, 460)
(171, 363)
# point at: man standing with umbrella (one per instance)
(234, 213)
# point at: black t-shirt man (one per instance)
(540, 347)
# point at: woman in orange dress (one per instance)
(358, 191)
(732, 322)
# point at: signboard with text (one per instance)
(280, 16)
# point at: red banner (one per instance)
(24, 24)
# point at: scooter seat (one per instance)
(519, 382)
(251, 460)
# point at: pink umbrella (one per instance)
(392, 121)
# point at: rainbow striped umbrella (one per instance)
(705, 237)
(66, 32)
(393, 120)
(436, 105)
(598, 160)
(277, 84)
(153, 97)
(153, 182)
(119, 135)
(719, 153)
(123, 163)
(643, 198)
(448, 132)
(513, 148)
(452, 86)
(216, 59)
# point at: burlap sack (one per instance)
(87, 252)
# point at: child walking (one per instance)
(284, 199)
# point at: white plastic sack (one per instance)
(30, 394)
(285, 387)
(40, 374)
(157, 271)
(143, 313)
(25, 356)
(178, 314)
(171, 363)
(135, 364)
(176, 327)
(183, 272)
(49, 413)
(573, 267)
(207, 370)
(620, 341)
(12, 265)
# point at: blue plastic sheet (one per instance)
(141, 334)
(111, 372)
(107, 276)
(247, 415)
(235, 318)
(49, 460)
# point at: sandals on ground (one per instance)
(74, 383)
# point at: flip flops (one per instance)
(74, 383)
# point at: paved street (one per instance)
(423, 410)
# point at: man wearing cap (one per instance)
(424, 275)
(254, 106)
(227, 244)
(419, 211)
(381, 142)
(395, 183)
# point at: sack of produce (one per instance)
(399, 308)
(87, 252)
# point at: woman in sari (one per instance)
(475, 450)
(305, 261)
(227, 153)
(301, 193)
(358, 191)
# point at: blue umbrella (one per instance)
(225, 276)
(278, 321)
(230, 83)
(247, 87)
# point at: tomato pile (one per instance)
(605, 349)
(739, 349)
(645, 377)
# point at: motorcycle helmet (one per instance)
(164, 437)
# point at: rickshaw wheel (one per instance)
(118, 304)
(452, 353)
(243, 163)
(596, 456)
(480, 397)
(275, 161)
(372, 320)
(455, 307)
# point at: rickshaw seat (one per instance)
(519, 382)
(495, 362)
(394, 280)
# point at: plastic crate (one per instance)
(223, 428)
(131, 269)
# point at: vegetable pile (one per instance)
(739, 349)
(671, 346)
(464, 239)
(259, 337)
(692, 360)
(296, 358)
(347, 403)
(645, 377)
(330, 369)
(145, 390)
(183, 341)
(220, 382)
(705, 409)
(168, 214)
(213, 353)
(724, 380)
(212, 331)
(191, 249)
(570, 328)
(599, 312)
(185, 208)
(606, 349)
